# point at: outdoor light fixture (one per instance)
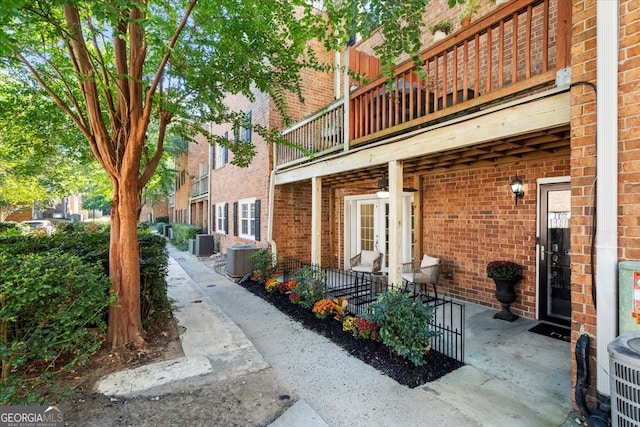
(516, 187)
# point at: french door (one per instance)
(368, 227)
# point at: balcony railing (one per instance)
(318, 134)
(200, 187)
(513, 50)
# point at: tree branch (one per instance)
(150, 167)
(149, 101)
(105, 75)
(82, 60)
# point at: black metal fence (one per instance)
(361, 289)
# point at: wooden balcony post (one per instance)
(563, 41)
(347, 103)
(316, 220)
(394, 256)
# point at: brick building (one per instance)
(425, 165)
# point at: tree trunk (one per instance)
(125, 323)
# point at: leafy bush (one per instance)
(153, 285)
(11, 228)
(164, 219)
(404, 324)
(160, 227)
(263, 265)
(47, 312)
(308, 289)
(182, 233)
(67, 273)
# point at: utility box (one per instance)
(624, 371)
(204, 245)
(165, 230)
(192, 246)
(629, 296)
(239, 260)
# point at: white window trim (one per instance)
(251, 204)
(220, 156)
(220, 211)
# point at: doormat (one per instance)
(553, 331)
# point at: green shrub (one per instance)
(404, 324)
(309, 288)
(263, 265)
(11, 228)
(52, 309)
(164, 219)
(154, 258)
(76, 261)
(160, 227)
(182, 233)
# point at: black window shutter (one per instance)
(235, 218)
(248, 128)
(225, 155)
(226, 218)
(214, 149)
(257, 222)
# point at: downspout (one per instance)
(607, 24)
(272, 187)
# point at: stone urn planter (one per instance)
(506, 295)
(505, 274)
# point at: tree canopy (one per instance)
(117, 67)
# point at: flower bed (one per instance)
(374, 353)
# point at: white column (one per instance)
(394, 256)
(346, 90)
(316, 220)
(607, 186)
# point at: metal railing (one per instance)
(362, 289)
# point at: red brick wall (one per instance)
(231, 183)
(470, 219)
(629, 134)
(583, 168)
(182, 191)
(292, 224)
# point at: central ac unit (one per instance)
(239, 260)
(624, 366)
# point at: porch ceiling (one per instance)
(550, 142)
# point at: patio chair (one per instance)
(420, 276)
(366, 263)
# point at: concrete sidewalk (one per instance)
(334, 388)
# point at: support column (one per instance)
(316, 220)
(394, 256)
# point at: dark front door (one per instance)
(554, 259)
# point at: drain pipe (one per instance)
(272, 187)
(607, 24)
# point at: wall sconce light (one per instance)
(516, 187)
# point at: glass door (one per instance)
(370, 228)
(554, 259)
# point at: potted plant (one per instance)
(469, 8)
(440, 30)
(505, 274)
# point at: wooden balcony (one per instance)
(512, 51)
(200, 187)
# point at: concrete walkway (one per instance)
(229, 331)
